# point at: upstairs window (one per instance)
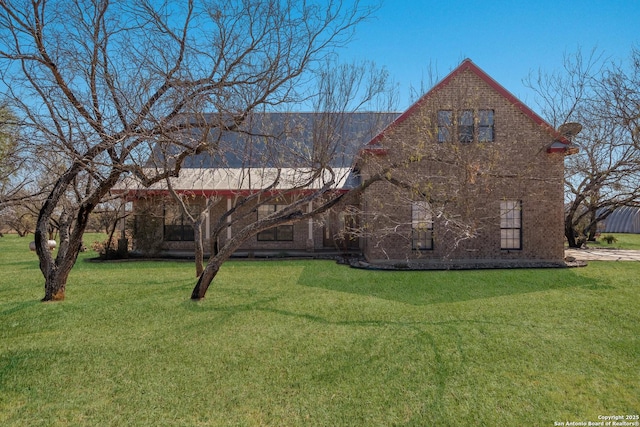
(421, 226)
(445, 120)
(465, 126)
(510, 224)
(471, 125)
(485, 125)
(280, 233)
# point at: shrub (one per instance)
(117, 249)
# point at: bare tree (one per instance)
(456, 177)
(604, 98)
(100, 82)
(109, 217)
(195, 215)
(20, 217)
(12, 183)
(305, 180)
(322, 198)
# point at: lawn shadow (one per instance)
(434, 287)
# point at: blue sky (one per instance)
(507, 39)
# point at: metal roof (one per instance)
(223, 180)
(249, 159)
(625, 219)
(280, 140)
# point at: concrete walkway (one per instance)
(602, 254)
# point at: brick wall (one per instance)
(465, 183)
(150, 213)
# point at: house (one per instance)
(270, 146)
(477, 181)
(471, 178)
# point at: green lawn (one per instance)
(622, 241)
(313, 343)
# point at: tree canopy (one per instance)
(603, 96)
(98, 84)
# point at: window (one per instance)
(445, 119)
(465, 126)
(510, 224)
(281, 233)
(421, 226)
(485, 125)
(177, 226)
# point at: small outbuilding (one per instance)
(625, 219)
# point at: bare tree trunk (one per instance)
(114, 53)
(72, 226)
(569, 229)
(213, 266)
(223, 254)
(207, 276)
(199, 249)
(111, 231)
(570, 234)
(593, 226)
(292, 214)
(56, 272)
(55, 284)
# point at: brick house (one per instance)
(246, 163)
(477, 181)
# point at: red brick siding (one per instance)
(515, 166)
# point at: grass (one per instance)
(622, 241)
(291, 343)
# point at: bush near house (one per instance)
(315, 343)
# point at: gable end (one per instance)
(468, 65)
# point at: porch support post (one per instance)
(207, 224)
(123, 218)
(229, 206)
(310, 243)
